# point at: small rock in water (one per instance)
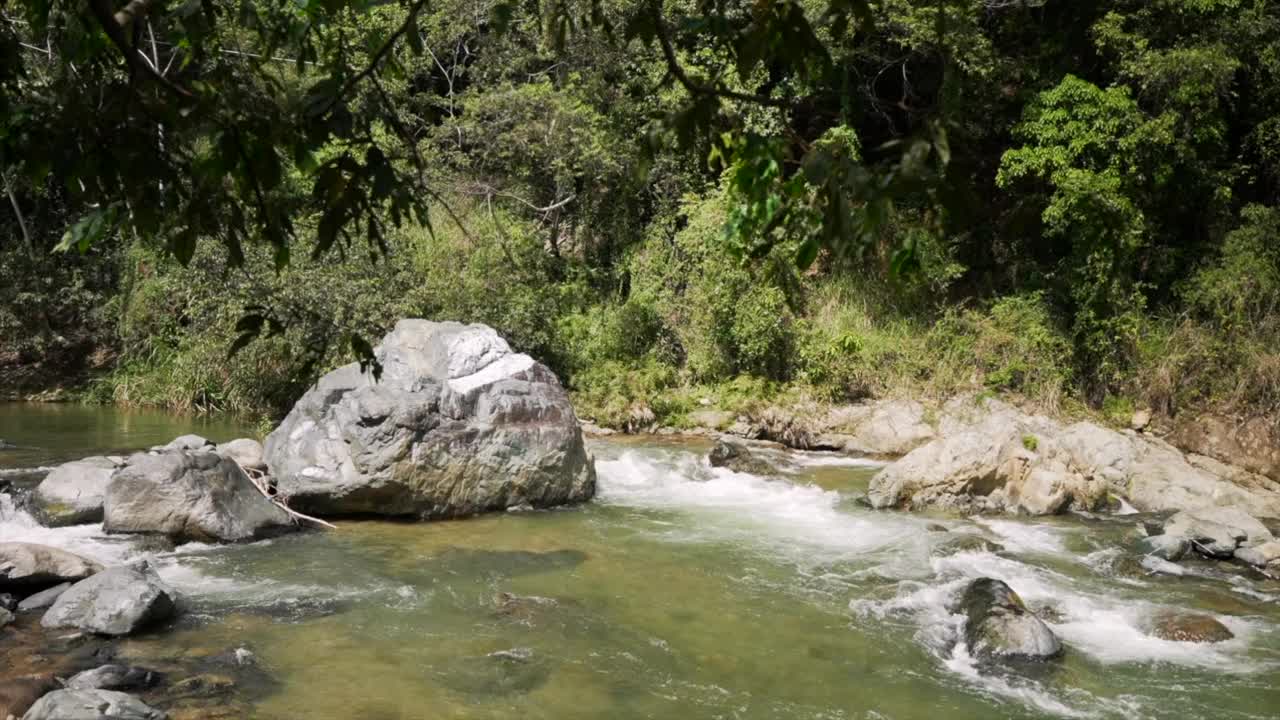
(91, 705)
(522, 608)
(1188, 627)
(967, 542)
(113, 677)
(8, 602)
(44, 598)
(520, 655)
(937, 527)
(736, 457)
(118, 601)
(999, 625)
(1165, 547)
(6, 617)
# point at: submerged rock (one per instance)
(506, 563)
(190, 496)
(1165, 547)
(968, 542)
(91, 705)
(456, 425)
(25, 567)
(71, 494)
(113, 677)
(18, 694)
(44, 598)
(738, 458)
(118, 601)
(1260, 555)
(1188, 627)
(998, 624)
(504, 672)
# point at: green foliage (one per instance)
(1030, 442)
(1240, 291)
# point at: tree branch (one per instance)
(377, 56)
(694, 87)
(115, 31)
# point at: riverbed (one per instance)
(682, 591)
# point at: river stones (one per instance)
(1188, 627)
(1166, 547)
(26, 567)
(190, 496)
(1216, 531)
(967, 542)
(1260, 555)
(738, 458)
(91, 705)
(113, 677)
(71, 494)
(998, 624)
(44, 598)
(457, 424)
(117, 601)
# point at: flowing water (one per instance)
(688, 592)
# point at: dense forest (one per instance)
(1077, 203)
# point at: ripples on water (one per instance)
(685, 591)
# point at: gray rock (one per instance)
(190, 496)
(457, 424)
(117, 601)
(1260, 555)
(6, 617)
(1165, 547)
(91, 705)
(991, 457)
(185, 442)
(885, 428)
(738, 458)
(44, 598)
(1217, 531)
(8, 601)
(1188, 627)
(72, 493)
(113, 677)
(998, 624)
(245, 451)
(27, 566)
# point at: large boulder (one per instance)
(112, 677)
(91, 705)
(190, 496)
(71, 494)
(456, 424)
(991, 457)
(117, 601)
(1217, 531)
(26, 567)
(1006, 462)
(998, 624)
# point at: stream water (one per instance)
(684, 592)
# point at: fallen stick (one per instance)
(255, 477)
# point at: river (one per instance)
(682, 591)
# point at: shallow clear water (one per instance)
(689, 592)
